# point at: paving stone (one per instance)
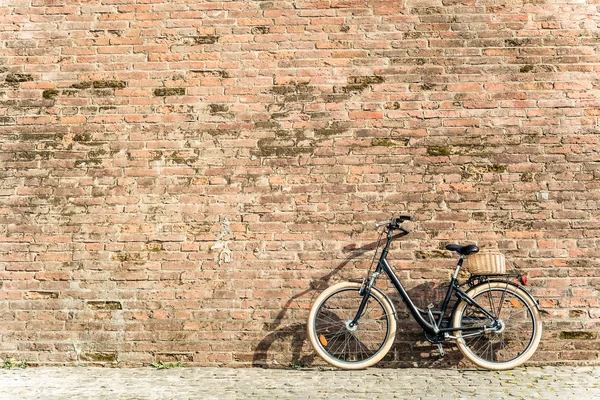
(579, 383)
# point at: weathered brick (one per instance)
(175, 185)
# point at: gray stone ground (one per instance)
(579, 383)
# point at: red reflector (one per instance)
(524, 280)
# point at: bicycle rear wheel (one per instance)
(349, 347)
(515, 336)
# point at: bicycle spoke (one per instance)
(482, 345)
(328, 322)
(340, 345)
(478, 339)
(492, 308)
(346, 342)
(368, 353)
(329, 318)
(353, 342)
(524, 310)
(337, 335)
(502, 301)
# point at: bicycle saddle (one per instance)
(464, 250)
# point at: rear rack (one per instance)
(477, 279)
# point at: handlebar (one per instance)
(403, 229)
(395, 223)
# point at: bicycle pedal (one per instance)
(441, 349)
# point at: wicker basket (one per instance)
(486, 264)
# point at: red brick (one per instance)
(116, 195)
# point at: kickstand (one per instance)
(442, 353)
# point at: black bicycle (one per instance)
(496, 323)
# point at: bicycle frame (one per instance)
(433, 326)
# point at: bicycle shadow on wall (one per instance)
(288, 345)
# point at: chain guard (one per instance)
(437, 338)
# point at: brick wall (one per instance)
(179, 177)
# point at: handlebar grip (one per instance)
(382, 223)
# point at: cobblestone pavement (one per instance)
(579, 383)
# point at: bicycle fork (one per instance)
(365, 291)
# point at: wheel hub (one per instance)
(500, 326)
(350, 327)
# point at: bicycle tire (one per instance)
(328, 327)
(521, 325)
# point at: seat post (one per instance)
(460, 263)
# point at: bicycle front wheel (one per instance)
(510, 338)
(345, 346)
